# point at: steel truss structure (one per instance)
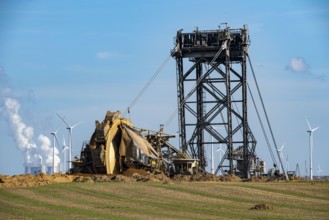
(212, 97)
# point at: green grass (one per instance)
(196, 200)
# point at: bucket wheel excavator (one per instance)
(117, 145)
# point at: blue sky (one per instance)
(82, 58)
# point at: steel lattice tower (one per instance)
(212, 97)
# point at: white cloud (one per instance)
(103, 55)
(298, 65)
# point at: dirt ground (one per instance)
(130, 175)
(262, 207)
(28, 180)
(206, 178)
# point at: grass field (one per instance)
(196, 200)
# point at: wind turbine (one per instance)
(306, 170)
(212, 169)
(310, 132)
(287, 164)
(54, 134)
(319, 171)
(64, 157)
(297, 170)
(69, 128)
(220, 149)
(281, 157)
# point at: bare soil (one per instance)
(262, 207)
(29, 180)
(129, 175)
(206, 178)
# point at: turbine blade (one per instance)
(308, 123)
(56, 140)
(314, 129)
(63, 120)
(54, 132)
(64, 149)
(76, 124)
(64, 144)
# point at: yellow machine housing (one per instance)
(114, 146)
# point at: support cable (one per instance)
(262, 126)
(146, 86)
(266, 116)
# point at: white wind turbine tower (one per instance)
(220, 150)
(212, 169)
(64, 156)
(282, 158)
(69, 128)
(287, 164)
(310, 132)
(55, 140)
(319, 171)
(306, 170)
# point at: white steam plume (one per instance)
(47, 149)
(23, 134)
